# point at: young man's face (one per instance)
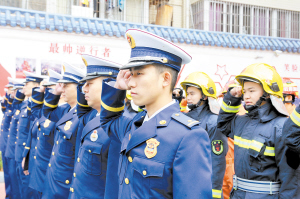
(252, 92)
(9, 90)
(69, 92)
(146, 85)
(27, 89)
(13, 93)
(93, 89)
(193, 95)
(52, 86)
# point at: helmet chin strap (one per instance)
(193, 106)
(293, 99)
(250, 108)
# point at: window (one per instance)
(216, 15)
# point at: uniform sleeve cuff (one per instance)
(231, 104)
(51, 100)
(112, 99)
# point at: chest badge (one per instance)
(217, 147)
(17, 112)
(47, 122)
(151, 148)
(68, 125)
(94, 136)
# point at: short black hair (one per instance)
(160, 68)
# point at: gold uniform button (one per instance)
(129, 158)
(17, 137)
(24, 143)
(49, 165)
(43, 133)
(34, 157)
(35, 148)
(64, 137)
(144, 172)
(90, 151)
(78, 159)
(67, 182)
(15, 142)
(71, 189)
(163, 122)
(18, 123)
(37, 123)
(8, 136)
(38, 138)
(53, 153)
(56, 142)
(74, 174)
(126, 180)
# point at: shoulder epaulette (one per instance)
(185, 120)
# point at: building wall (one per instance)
(221, 64)
(293, 5)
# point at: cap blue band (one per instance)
(73, 75)
(97, 68)
(70, 79)
(152, 52)
(52, 79)
(33, 79)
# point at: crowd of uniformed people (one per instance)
(123, 131)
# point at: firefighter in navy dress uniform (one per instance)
(45, 134)
(261, 169)
(164, 153)
(3, 136)
(98, 156)
(26, 123)
(201, 97)
(61, 164)
(12, 137)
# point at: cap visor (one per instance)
(66, 81)
(49, 84)
(135, 64)
(88, 78)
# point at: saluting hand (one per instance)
(42, 88)
(123, 79)
(236, 91)
(58, 89)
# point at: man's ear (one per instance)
(167, 78)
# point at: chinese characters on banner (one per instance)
(56, 48)
(291, 68)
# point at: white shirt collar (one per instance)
(72, 108)
(166, 106)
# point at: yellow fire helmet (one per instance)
(128, 94)
(269, 78)
(201, 80)
(207, 85)
(264, 74)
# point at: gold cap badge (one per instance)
(130, 40)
